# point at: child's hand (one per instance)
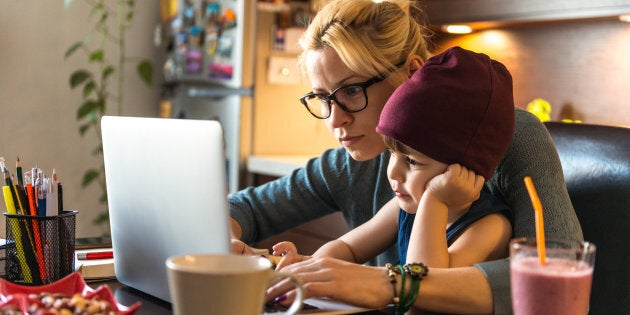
(457, 186)
(289, 254)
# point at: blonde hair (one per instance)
(371, 38)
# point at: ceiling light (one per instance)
(457, 29)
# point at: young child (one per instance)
(447, 128)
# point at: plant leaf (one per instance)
(109, 70)
(73, 48)
(100, 105)
(92, 118)
(102, 218)
(98, 150)
(104, 15)
(145, 70)
(84, 128)
(103, 198)
(97, 55)
(78, 77)
(86, 108)
(88, 88)
(96, 8)
(89, 176)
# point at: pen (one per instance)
(40, 192)
(95, 255)
(59, 198)
(20, 177)
(51, 195)
(30, 193)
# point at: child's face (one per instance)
(409, 174)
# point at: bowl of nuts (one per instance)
(69, 295)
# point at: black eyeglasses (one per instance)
(350, 98)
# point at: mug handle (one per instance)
(296, 306)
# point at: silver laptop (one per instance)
(167, 195)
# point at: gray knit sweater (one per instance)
(336, 182)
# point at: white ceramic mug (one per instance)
(223, 284)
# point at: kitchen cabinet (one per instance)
(492, 13)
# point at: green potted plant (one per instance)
(102, 79)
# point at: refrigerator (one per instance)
(209, 70)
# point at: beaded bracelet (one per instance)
(391, 273)
(407, 301)
(402, 305)
(416, 272)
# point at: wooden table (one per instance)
(128, 296)
(154, 306)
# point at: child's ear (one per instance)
(417, 63)
(414, 64)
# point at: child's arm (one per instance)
(485, 240)
(446, 197)
(358, 245)
(367, 240)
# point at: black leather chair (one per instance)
(596, 164)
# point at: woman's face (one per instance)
(355, 131)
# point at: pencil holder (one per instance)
(40, 249)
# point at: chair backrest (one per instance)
(596, 164)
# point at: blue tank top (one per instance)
(486, 204)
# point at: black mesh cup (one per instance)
(39, 249)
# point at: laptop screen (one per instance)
(167, 195)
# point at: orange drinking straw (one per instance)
(538, 216)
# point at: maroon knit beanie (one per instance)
(457, 108)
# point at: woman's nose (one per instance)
(338, 117)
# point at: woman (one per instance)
(359, 46)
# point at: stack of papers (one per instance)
(94, 269)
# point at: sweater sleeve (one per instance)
(532, 153)
(332, 182)
(287, 202)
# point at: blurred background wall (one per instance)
(38, 108)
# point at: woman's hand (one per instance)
(289, 254)
(237, 246)
(351, 283)
(240, 248)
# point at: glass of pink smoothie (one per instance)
(561, 286)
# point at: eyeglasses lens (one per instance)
(350, 98)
